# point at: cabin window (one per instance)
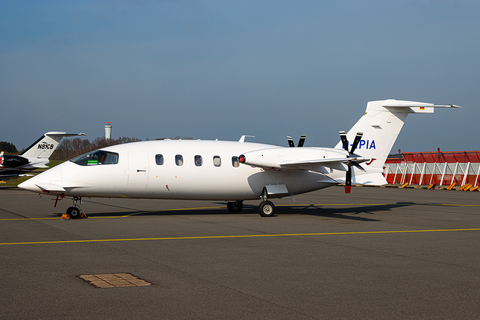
(198, 161)
(159, 159)
(99, 157)
(217, 162)
(235, 162)
(179, 160)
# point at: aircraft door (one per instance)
(137, 171)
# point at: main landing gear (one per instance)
(74, 211)
(235, 207)
(266, 208)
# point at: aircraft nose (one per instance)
(42, 181)
(30, 186)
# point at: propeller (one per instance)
(348, 179)
(300, 142)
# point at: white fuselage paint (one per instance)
(137, 175)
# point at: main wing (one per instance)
(313, 159)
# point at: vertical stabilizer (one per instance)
(45, 145)
(381, 124)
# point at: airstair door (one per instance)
(137, 171)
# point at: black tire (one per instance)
(235, 207)
(266, 209)
(74, 212)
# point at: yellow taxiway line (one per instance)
(238, 236)
(320, 205)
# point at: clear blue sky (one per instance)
(221, 69)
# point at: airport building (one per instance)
(454, 169)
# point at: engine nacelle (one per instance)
(8, 161)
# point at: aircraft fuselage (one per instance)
(185, 169)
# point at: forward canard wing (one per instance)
(50, 188)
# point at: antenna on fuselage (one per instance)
(242, 139)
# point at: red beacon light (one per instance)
(241, 159)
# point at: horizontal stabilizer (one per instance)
(414, 107)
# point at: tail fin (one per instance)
(381, 125)
(46, 144)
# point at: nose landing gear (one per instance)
(74, 212)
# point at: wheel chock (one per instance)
(474, 188)
(467, 187)
(404, 185)
(450, 187)
(82, 216)
(432, 186)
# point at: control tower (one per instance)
(108, 130)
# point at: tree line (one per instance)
(8, 147)
(71, 148)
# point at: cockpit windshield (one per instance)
(94, 158)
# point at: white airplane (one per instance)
(231, 171)
(36, 156)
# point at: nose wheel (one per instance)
(74, 212)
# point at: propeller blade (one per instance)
(343, 137)
(348, 180)
(290, 142)
(358, 137)
(356, 164)
(302, 141)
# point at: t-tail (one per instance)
(382, 122)
(43, 148)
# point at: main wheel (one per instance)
(74, 212)
(235, 207)
(266, 208)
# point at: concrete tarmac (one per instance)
(376, 253)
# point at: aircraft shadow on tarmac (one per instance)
(349, 212)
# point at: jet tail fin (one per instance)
(381, 124)
(46, 144)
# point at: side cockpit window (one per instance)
(95, 158)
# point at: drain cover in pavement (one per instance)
(114, 280)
